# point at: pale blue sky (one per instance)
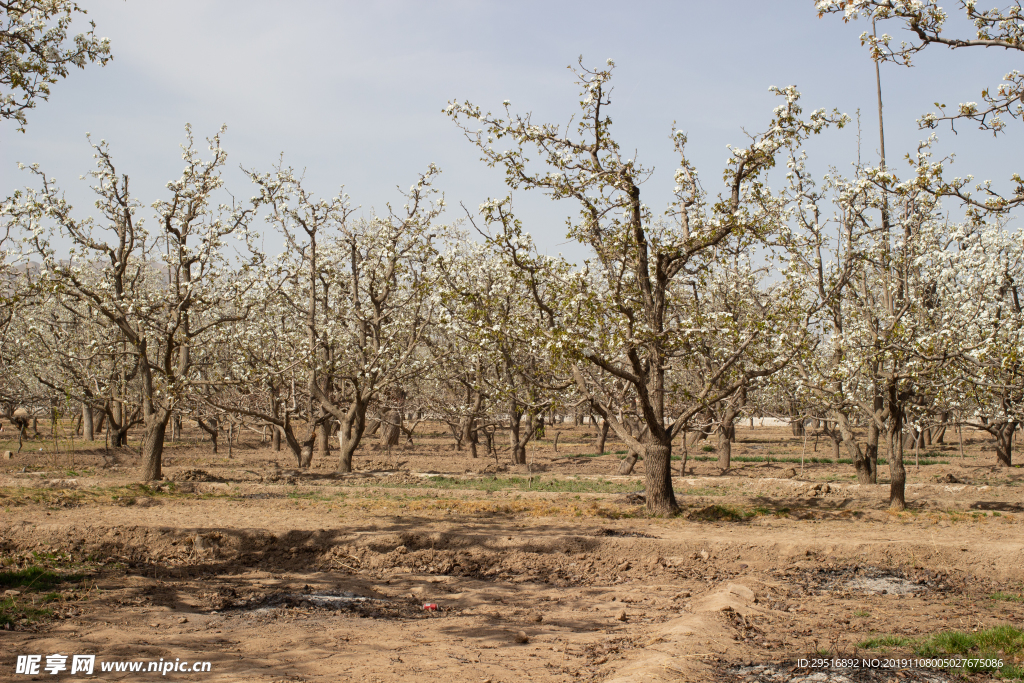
(353, 91)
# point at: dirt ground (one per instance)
(549, 572)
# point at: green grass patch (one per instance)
(28, 605)
(1000, 643)
(1008, 597)
(35, 578)
(13, 611)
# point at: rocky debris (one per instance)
(789, 474)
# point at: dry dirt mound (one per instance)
(196, 475)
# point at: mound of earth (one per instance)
(195, 475)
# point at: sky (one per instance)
(352, 93)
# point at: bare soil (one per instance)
(548, 572)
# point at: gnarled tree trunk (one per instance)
(153, 444)
(353, 424)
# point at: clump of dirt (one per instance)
(196, 475)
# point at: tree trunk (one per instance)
(275, 410)
(391, 428)
(88, 433)
(835, 446)
(301, 446)
(862, 462)
(724, 449)
(321, 447)
(176, 427)
(153, 444)
(726, 434)
(468, 429)
(118, 433)
(940, 430)
(871, 451)
(897, 472)
(116, 420)
(213, 429)
(1004, 442)
(604, 437)
(520, 433)
(686, 456)
(628, 463)
(661, 500)
(350, 434)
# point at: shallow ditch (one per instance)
(866, 580)
(358, 605)
(624, 533)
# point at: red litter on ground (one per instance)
(430, 606)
